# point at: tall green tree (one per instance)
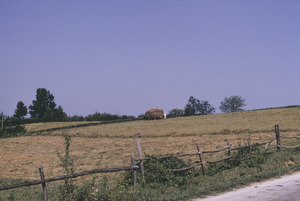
(197, 107)
(20, 111)
(2, 120)
(232, 104)
(44, 107)
(43, 104)
(204, 108)
(190, 107)
(59, 114)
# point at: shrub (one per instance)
(12, 130)
(94, 190)
(246, 158)
(157, 172)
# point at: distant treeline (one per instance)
(99, 117)
(11, 120)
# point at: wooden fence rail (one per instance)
(36, 182)
(43, 181)
(288, 137)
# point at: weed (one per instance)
(93, 190)
(68, 165)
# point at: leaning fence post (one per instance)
(278, 138)
(134, 173)
(141, 158)
(228, 144)
(43, 184)
(200, 157)
(249, 149)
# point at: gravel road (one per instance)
(286, 188)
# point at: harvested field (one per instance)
(112, 145)
(239, 122)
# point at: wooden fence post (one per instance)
(200, 157)
(228, 144)
(278, 138)
(141, 158)
(249, 149)
(43, 184)
(134, 173)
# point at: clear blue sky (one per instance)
(127, 56)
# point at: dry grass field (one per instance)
(43, 126)
(241, 122)
(112, 145)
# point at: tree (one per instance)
(44, 107)
(195, 106)
(43, 104)
(20, 111)
(190, 107)
(176, 113)
(2, 119)
(232, 104)
(204, 108)
(59, 114)
(76, 118)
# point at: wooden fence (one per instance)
(278, 145)
(134, 167)
(43, 181)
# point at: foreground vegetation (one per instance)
(163, 185)
(112, 145)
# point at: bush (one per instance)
(157, 172)
(246, 158)
(12, 130)
(94, 190)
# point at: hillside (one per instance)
(239, 122)
(112, 145)
(100, 143)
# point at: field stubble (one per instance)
(112, 145)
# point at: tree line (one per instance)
(198, 107)
(44, 109)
